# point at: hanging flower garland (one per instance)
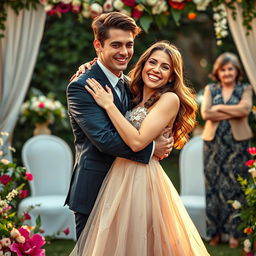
(146, 12)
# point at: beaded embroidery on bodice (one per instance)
(136, 116)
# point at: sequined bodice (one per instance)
(136, 116)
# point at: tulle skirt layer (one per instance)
(139, 213)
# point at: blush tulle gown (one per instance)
(138, 212)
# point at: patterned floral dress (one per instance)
(224, 160)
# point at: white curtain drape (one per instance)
(18, 53)
(245, 44)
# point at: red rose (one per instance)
(41, 105)
(29, 176)
(27, 216)
(249, 163)
(64, 8)
(252, 151)
(23, 193)
(136, 14)
(4, 179)
(130, 3)
(66, 231)
(176, 5)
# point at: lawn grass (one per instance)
(64, 247)
(170, 165)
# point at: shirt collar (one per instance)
(113, 79)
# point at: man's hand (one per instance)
(164, 144)
(82, 69)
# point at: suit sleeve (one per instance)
(95, 123)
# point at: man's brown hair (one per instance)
(117, 20)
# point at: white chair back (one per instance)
(49, 159)
(191, 168)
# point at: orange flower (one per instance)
(248, 231)
(192, 16)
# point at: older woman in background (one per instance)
(226, 106)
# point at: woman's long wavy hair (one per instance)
(186, 117)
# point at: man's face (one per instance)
(117, 50)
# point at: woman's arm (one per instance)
(208, 111)
(242, 109)
(162, 113)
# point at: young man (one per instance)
(96, 141)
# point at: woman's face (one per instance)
(227, 74)
(157, 70)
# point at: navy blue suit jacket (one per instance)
(97, 142)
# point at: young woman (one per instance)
(138, 212)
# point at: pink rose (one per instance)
(31, 246)
(29, 176)
(4, 179)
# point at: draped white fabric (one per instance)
(18, 53)
(245, 44)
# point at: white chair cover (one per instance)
(192, 182)
(49, 159)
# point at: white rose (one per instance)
(76, 2)
(151, 2)
(66, 1)
(252, 171)
(5, 161)
(216, 16)
(201, 5)
(118, 5)
(96, 9)
(247, 243)
(86, 13)
(20, 239)
(6, 242)
(126, 12)
(236, 205)
(1, 152)
(224, 33)
(1, 253)
(14, 233)
(178, 1)
(48, 7)
(108, 6)
(7, 254)
(42, 98)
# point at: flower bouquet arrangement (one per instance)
(15, 237)
(247, 212)
(42, 109)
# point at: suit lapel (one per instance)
(99, 75)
